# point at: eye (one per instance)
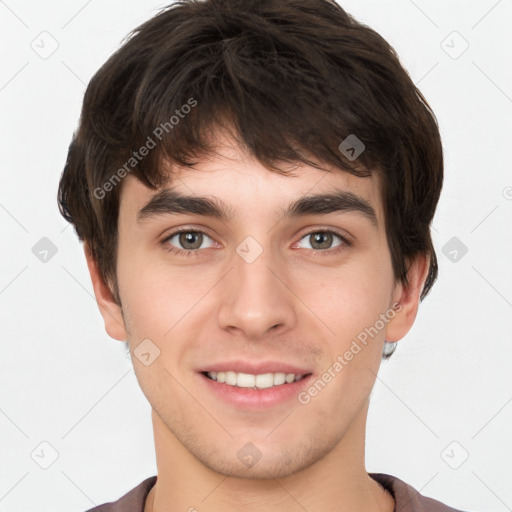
(322, 240)
(188, 241)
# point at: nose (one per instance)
(256, 299)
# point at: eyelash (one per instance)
(195, 252)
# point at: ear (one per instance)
(407, 298)
(109, 309)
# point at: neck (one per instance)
(336, 482)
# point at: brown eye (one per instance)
(322, 240)
(190, 240)
(187, 241)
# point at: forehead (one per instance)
(242, 186)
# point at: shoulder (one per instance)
(408, 499)
(132, 501)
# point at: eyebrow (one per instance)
(171, 202)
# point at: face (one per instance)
(256, 297)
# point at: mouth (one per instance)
(254, 385)
(254, 381)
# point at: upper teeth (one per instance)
(246, 380)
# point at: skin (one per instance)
(291, 304)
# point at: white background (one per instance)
(65, 382)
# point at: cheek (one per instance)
(156, 297)
(159, 299)
(347, 299)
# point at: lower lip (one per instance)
(256, 399)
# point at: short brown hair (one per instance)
(294, 78)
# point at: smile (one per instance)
(247, 380)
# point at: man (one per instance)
(254, 182)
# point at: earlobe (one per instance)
(407, 298)
(109, 309)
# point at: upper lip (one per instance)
(253, 368)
